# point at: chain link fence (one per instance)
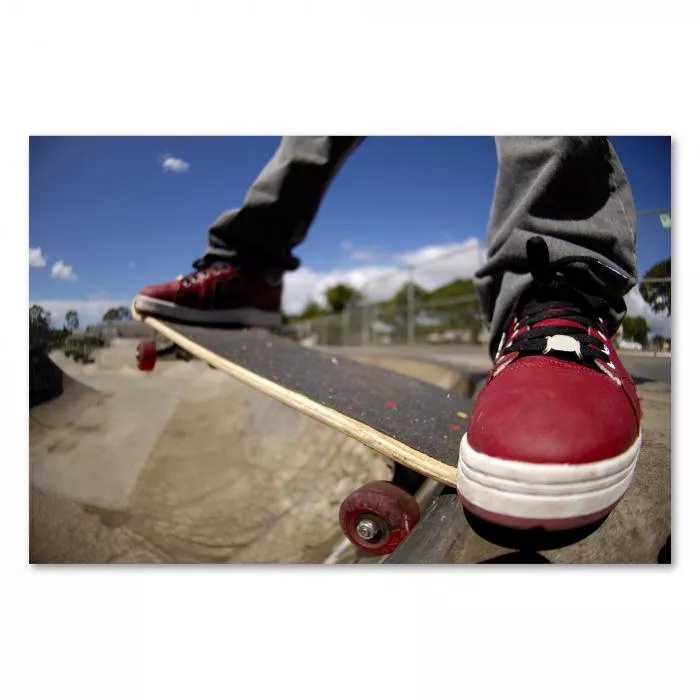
(456, 320)
(428, 298)
(425, 303)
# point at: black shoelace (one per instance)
(535, 341)
(202, 266)
(551, 297)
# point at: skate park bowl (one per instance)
(187, 465)
(183, 464)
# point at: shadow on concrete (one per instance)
(518, 558)
(665, 552)
(45, 378)
(536, 539)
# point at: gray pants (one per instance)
(572, 191)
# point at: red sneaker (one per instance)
(554, 434)
(218, 293)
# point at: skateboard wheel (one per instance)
(146, 354)
(378, 517)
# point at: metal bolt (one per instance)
(367, 529)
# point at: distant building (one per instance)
(629, 345)
(381, 332)
(381, 328)
(122, 329)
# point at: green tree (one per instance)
(72, 321)
(464, 315)
(456, 288)
(39, 326)
(658, 294)
(394, 311)
(400, 299)
(433, 307)
(636, 329)
(119, 313)
(339, 296)
(312, 310)
(658, 342)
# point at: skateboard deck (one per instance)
(413, 423)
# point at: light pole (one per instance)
(410, 308)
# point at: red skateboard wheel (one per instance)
(146, 355)
(378, 517)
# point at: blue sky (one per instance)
(113, 214)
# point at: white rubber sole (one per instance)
(246, 316)
(537, 493)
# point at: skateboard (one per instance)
(415, 425)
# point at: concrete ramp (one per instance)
(186, 465)
(90, 445)
(259, 483)
(75, 399)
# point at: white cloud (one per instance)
(436, 254)
(175, 165)
(443, 264)
(62, 271)
(659, 324)
(89, 310)
(36, 258)
(365, 255)
(359, 254)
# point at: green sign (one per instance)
(665, 220)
